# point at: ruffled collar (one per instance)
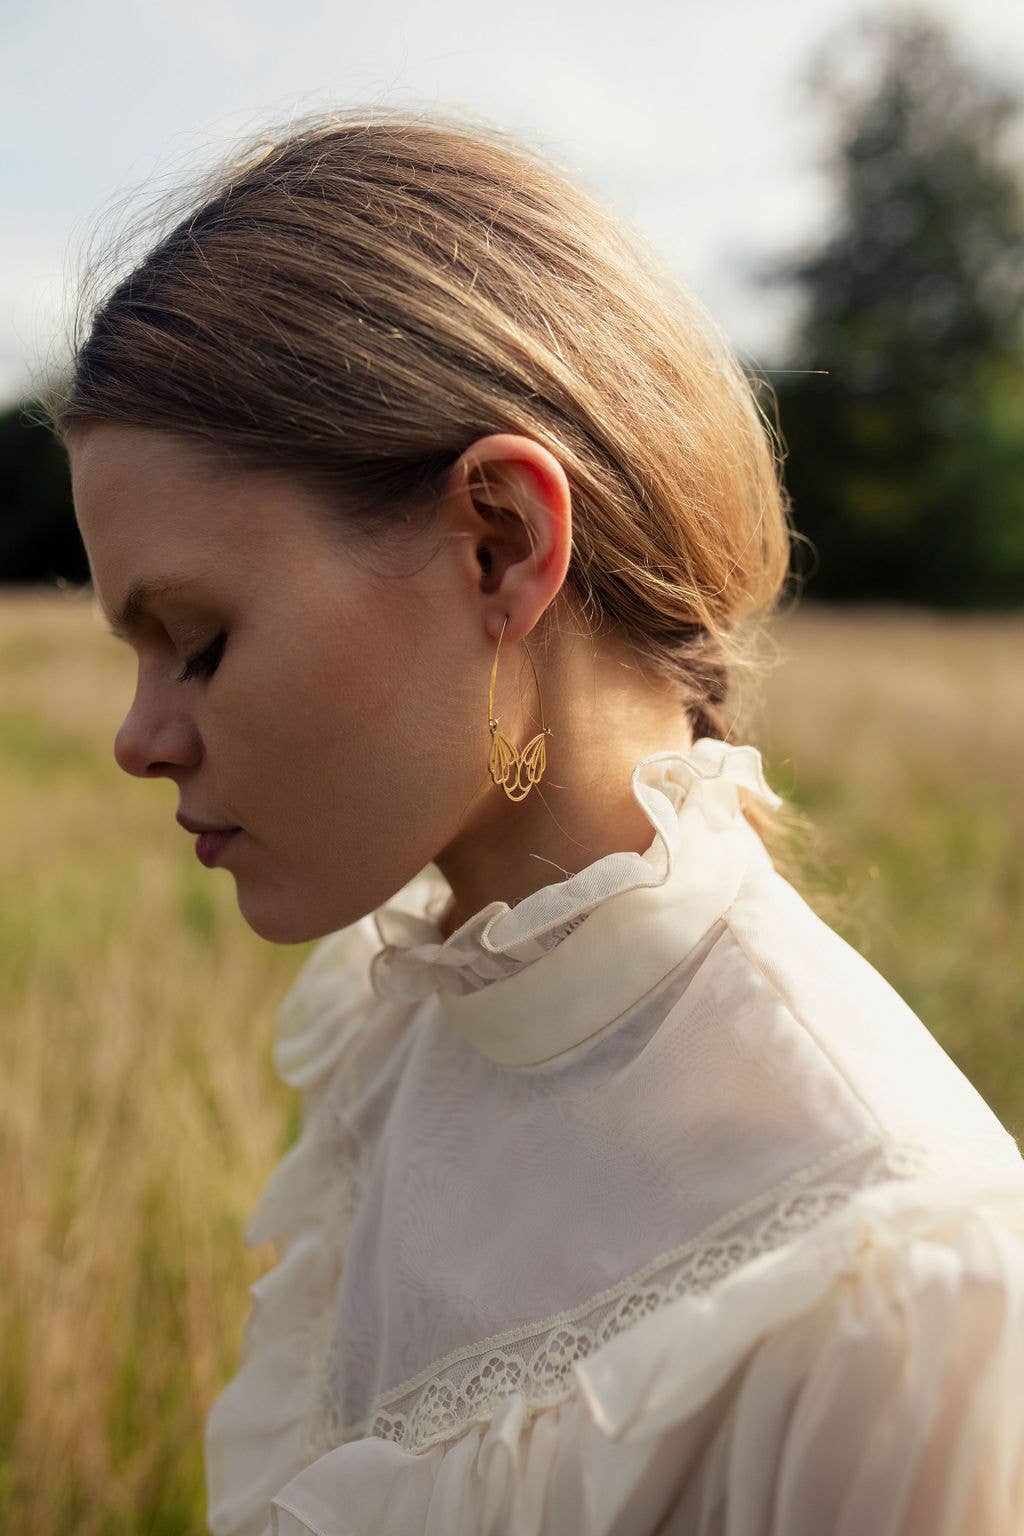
(525, 983)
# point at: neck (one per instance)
(583, 808)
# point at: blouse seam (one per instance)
(804, 1026)
(619, 1019)
(304, 1519)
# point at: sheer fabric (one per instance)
(644, 1205)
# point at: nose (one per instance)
(153, 743)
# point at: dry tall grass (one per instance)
(139, 1114)
(902, 735)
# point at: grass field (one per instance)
(139, 1113)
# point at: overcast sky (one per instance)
(691, 116)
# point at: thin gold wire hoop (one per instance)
(504, 764)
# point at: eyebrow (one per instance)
(136, 605)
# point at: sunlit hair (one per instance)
(357, 299)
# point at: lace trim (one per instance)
(537, 1361)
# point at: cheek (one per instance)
(246, 709)
(286, 718)
(316, 715)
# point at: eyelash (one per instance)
(206, 663)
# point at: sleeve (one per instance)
(865, 1380)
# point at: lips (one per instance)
(210, 845)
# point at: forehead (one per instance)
(135, 482)
(121, 462)
(158, 512)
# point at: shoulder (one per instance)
(794, 987)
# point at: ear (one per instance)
(518, 503)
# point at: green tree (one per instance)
(39, 538)
(906, 455)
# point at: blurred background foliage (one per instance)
(904, 417)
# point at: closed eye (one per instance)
(206, 662)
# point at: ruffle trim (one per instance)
(414, 960)
(257, 1433)
(897, 1319)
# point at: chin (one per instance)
(278, 925)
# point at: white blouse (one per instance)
(644, 1206)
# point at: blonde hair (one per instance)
(357, 300)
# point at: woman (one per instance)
(629, 1198)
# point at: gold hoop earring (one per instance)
(505, 765)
